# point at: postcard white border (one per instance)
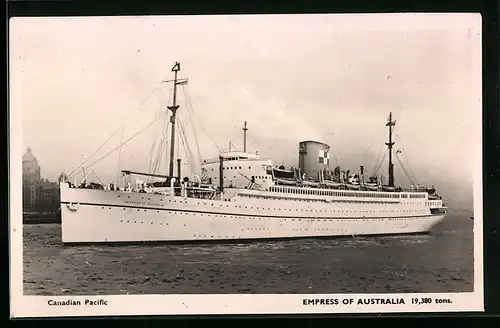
(37, 306)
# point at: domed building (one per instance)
(31, 169)
(39, 194)
(31, 178)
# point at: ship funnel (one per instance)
(314, 157)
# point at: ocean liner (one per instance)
(238, 195)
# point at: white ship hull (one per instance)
(96, 216)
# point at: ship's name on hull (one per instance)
(142, 203)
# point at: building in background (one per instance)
(39, 195)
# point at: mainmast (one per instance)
(174, 108)
(389, 144)
(245, 137)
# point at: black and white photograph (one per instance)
(245, 164)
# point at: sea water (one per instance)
(441, 261)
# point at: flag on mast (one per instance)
(177, 67)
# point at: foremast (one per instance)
(173, 109)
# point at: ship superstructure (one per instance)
(239, 195)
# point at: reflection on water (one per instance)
(439, 262)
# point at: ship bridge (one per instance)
(240, 169)
(233, 156)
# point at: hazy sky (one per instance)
(331, 78)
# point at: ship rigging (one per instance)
(337, 179)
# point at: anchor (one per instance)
(73, 207)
